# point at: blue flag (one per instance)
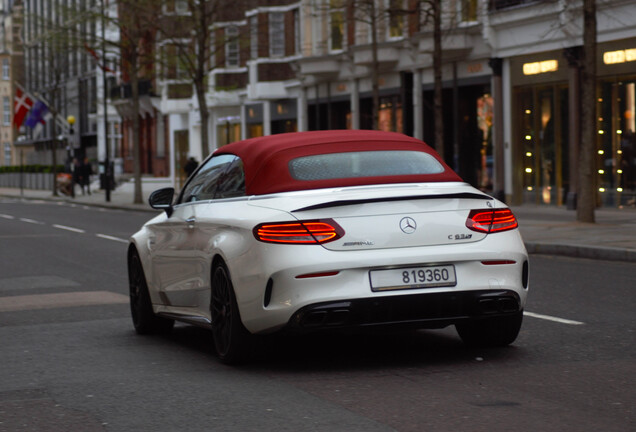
(37, 114)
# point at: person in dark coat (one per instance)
(190, 166)
(86, 170)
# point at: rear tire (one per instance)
(490, 332)
(143, 317)
(231, 338)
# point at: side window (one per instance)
(204, 183)
(232, 183)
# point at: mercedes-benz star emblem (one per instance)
(408, 225)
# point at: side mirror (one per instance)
(162, 200)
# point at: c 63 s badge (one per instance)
(460, 236)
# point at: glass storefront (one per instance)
(541, 125)
(542, 132)
(616, 154)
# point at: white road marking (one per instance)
(7, 216)
(551, 318)
(107, 237)
(31, 221)
(68, 228)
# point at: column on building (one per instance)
(498, 127)
(573, 57)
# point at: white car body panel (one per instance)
(178, 251)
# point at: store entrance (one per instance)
(542, 138)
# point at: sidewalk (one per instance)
(545, 229)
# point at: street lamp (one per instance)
(71, 121)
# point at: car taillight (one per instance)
(491, 221)
(301, 232)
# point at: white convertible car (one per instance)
(325, 231)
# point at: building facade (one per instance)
(510, 72)
(11, 64)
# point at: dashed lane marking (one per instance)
(552, 318)
(60, 300)
(68, 228)
(107, 237)
(31, 221)
(5, 216)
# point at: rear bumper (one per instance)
(432, 310)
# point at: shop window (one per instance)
(390, 116)
(485, 171)
(616, 153)
(228, 133)
(543, 138)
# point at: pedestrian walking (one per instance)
(86, 170)
(190, 166)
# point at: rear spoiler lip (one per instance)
(341, 203)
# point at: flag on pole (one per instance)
(22, 103)
(37, 114)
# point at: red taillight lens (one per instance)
(491, 221)
(301, 232)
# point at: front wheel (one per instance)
(490, 332)
(231, 338)
(143, 317)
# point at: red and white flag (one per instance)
(22, 103)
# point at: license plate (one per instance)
(413, 277)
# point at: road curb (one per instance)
(579, 251)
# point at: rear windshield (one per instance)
(364, 164)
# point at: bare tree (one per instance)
(433, 13)
(137, 22)
(200, 48)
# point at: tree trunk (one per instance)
(375, 66)
(205, 115)
(586, 202)
(134, 83)
(437, 71)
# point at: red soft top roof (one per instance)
(266, 159)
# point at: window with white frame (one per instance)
(397, 17)
(6, 69)
(468, 10)
(7, 153)
(232, 58)
(254, 37)
(6, 111)
(336, 25)
(297, 39)
(276, 34)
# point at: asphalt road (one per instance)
(70, 360)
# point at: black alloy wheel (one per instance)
(143, 317)
(231, 338)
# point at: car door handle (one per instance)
(190, 221)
